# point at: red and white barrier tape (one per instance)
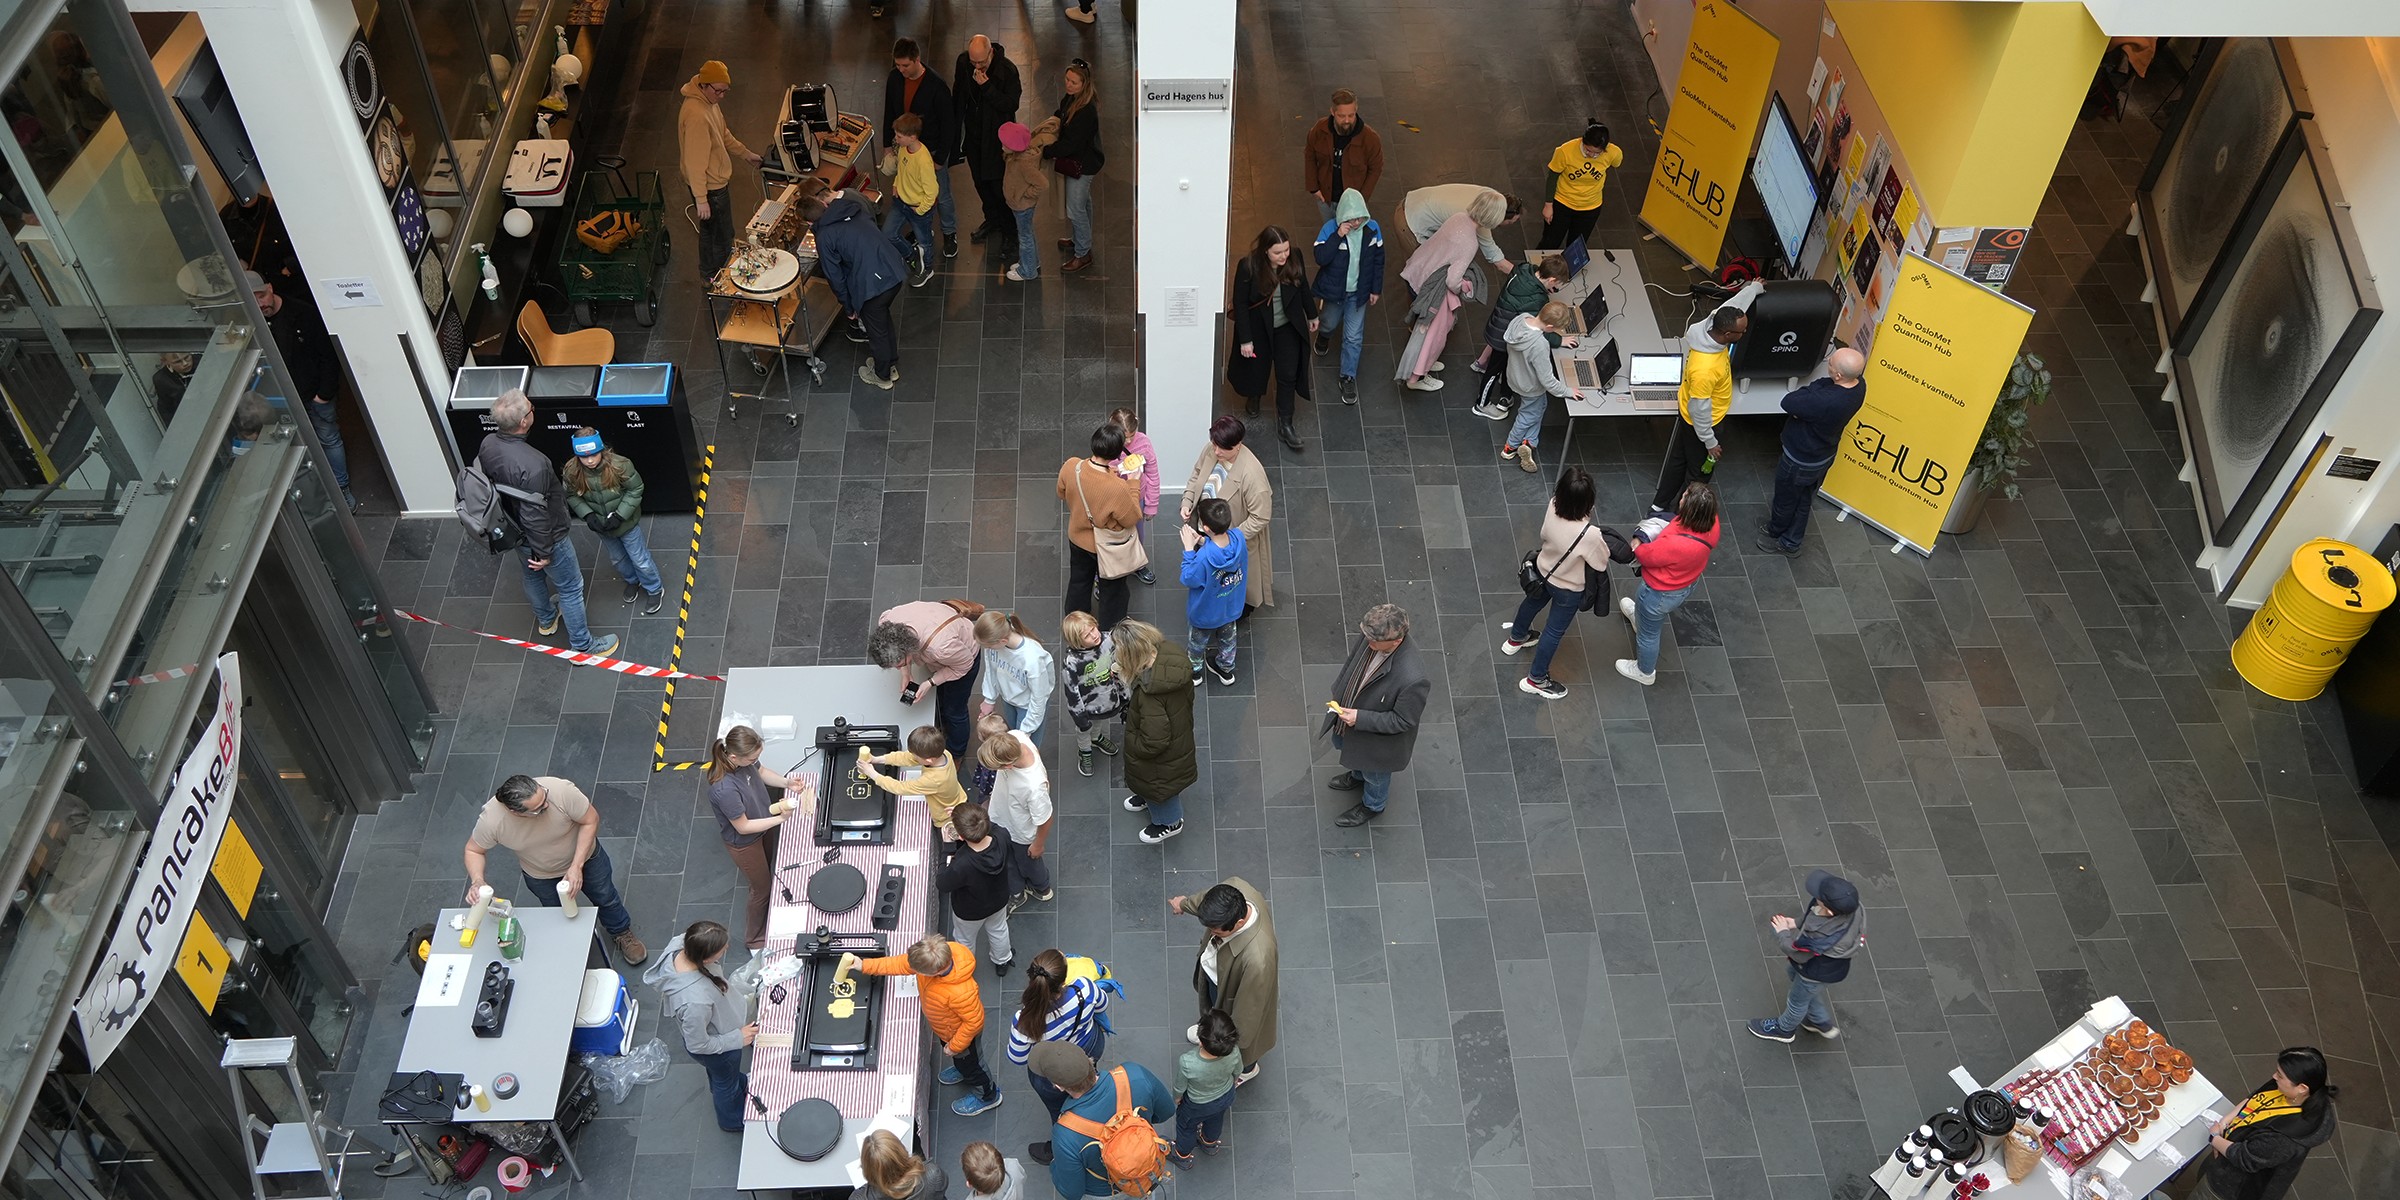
(160, 676)
(622, 667)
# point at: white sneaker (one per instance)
(1490, 412)
(1508, 639)
(1439, 366)
(1192, 1035)
(1424, 383)
(1014, 277)
(1625, 606)
(866, 371)
(1632, 670)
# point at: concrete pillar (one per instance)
(280, 61)
(1182, 191)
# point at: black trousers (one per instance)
(1287, 356)
(1687, 460)
(716, 233)
(951, 703)
(1567, 224)
(997, 216)
(970, 1069)
(1083, 575)
(883, 343)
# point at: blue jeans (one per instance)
(1016, 721)
(1563, 602)
(1197, 641)
(1168, 811)
(1200, 1121)
(727, 1085)
(1349, 315)
(565, 574)
(327, 421)
(943, 205)
(1526, 430)
(631, 554)
(1806, 1001)
(1029, 255)
(1376, 786)
(901, 217)
(1079, 212)
(1650, 609)
(1796, 485)
(599, 891)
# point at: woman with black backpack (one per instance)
(1571, 560)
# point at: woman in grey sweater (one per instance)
(714, 1019)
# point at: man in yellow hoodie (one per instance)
(1704, 398)
(707, 149)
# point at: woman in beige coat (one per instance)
(1228, 471)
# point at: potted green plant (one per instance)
(2000, 452)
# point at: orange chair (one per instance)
(582, 348)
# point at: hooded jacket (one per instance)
(1333, 252)
(858, 260)
(1219, 579)
(622, 502)
(2267, 1155)
(1820, 945)
(1012, 1183)
(706, 148)
(1022, 182)
(977, 880)
(952, 1004)
(1531, 369)
(711, 1019)
(1160, 758)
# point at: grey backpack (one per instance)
(479, 509)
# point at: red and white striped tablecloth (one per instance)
(859, 1094)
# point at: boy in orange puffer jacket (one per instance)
(953, 1005)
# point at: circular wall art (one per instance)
(364, 83)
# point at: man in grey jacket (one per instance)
(1377, 701)
(1818, 948)
(549, 551)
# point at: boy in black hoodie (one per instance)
(976, 877)
(1819, 946)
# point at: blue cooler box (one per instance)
(604, 1018)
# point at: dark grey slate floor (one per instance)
(2028, 750)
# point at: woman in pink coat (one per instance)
(1447, 254)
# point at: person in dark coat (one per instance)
(1349, 254)
(1160, 759)
(1377, 701)
(986, 94)
(912, 87)
(1272, 304)
(865, 271)
(2257, 1150)
(307, 349)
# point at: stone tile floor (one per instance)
(2028, 750)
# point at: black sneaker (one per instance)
(1039, 1152)
(1146, 575)
(1223, 675)
(1136, 804)
(1083, 762)
(1769, 545)
(1199, 676)
(1348, 387)
(950, 244)
(1101, 743)
(855, 332)
(1324, 342)
(1154, 834)
(658, 600)
(1766, 1030)
(1547, 689)
(633, 591)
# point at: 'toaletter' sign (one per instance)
(1187, 93)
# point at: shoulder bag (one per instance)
(1120, 551)
(1532, 578)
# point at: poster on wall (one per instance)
(166, 887)
(1887, 205)
(1934, 365)
(1720, 97)
(2210, 161)
(2297, 302)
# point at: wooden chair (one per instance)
(582, 348)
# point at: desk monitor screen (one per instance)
(1785, 184)
(1656, 370)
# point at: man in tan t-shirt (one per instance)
(555, 832)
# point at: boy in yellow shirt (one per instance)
(937, 777)
(916, 185)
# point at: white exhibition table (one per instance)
(786, 705)
(2186, 1110)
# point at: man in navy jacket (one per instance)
(913, 87)
(864, 269)
(1821, 410)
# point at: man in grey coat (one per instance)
(1377, 702)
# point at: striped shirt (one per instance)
(1073, 1019)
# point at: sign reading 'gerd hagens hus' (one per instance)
(1187, 93)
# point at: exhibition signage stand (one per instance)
(1728, 66)
(1934, 367)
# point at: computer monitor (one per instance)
(1785, 185)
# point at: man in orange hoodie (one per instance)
(705, 150)
(945, 972)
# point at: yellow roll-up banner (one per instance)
(1934, 369)
(1720, 94)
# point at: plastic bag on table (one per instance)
(616, 1074)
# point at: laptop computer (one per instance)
(1590, 315)
(1588, 369)
(1578, 257)
(1652, 371)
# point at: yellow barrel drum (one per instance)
(2317, 612)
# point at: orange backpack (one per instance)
(1131, 1152)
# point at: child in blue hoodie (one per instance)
(1216, 567)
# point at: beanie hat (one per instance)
(1062, 1063)
(714, 72)
(1839, 894)
(1015, 138)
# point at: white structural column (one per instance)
(1183, 180)
(280, 60)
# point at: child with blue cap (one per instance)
(605, 492)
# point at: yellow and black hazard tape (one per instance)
(683, 617)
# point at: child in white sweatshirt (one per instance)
(1018, 674)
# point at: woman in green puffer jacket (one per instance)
(605, 492)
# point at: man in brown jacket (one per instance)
(707, 149)
(1237, 970)
(1343, 152)
(1095, 495)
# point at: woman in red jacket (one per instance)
(1672, 560)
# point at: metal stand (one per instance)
(287, 1148)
